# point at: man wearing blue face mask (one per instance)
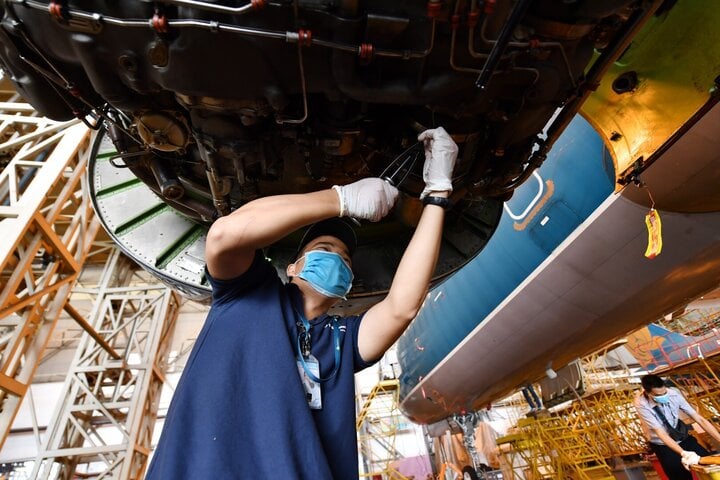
(659, 410)
(268, 391)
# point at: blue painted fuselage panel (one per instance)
(576, 177)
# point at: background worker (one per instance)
(659, 409)
(241, 409)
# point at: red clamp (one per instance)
(454, 21)
(159, 22)
(305, 38)
(57, 10)
(490, 6)
(473, 19)
(433, 9)
(366, 51)
(73, 89)
(534, 42)
(258, 4)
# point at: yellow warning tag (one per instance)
(654, 227)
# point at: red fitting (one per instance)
(534, 42)
(473, 19)
(454, 21)
(74, 91)
(56, 10)
(159, 23)
(366, 51)
(305, 37)
(258, 4)
(433, 9)
(490, 6)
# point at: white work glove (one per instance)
(689, 458)
(369, 199)
(440, 155)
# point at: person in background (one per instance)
(268, 390)
(659, 410)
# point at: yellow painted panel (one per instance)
(677, 58)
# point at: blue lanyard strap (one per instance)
(304, 347)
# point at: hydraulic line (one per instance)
(540, 44)
(454, 25)
(517, 13)
(215, 26)
(213, 7)
(303, 83)
(598, 69)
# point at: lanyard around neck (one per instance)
(304, 347)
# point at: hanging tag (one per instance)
(312, 388)
(654, 227)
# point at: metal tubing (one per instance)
(593, 77)
(90, 330)
(303, 84)
(224, 27)
(557, 45)
(211, 7)
(170, 186)
(457, 68)
(219, 185)
(516, 15)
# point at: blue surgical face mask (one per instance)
(661, 398)
(327, 273)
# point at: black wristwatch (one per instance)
(445, 203)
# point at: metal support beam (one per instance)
(90, 331)
(106, 418)
(48, 227)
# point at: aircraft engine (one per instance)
(207, 105)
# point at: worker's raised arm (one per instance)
(386, 321)
(233, 240)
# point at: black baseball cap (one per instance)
(335, 227)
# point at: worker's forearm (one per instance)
(708, 426)
(667, 440)
(263, 221)
(417, 265)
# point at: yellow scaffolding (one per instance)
(585, 440)
(700, 382)
(524, 455)
(556, 446)
(378, 422)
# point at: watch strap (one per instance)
(443, 202)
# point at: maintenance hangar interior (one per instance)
(581, 251)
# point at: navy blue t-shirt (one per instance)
(239, 410)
